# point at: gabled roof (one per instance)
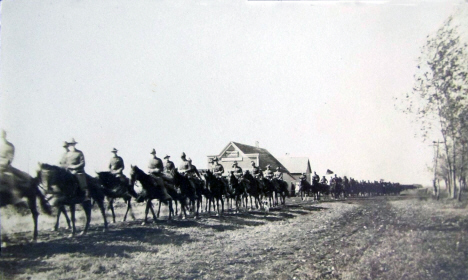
(296, 164)
(265, 157)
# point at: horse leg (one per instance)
(103, 212)
(111, 207)
(33, 207)
(72, 214)
(222, 206)
(146, 212)
(171, 210)
(152, 212)
(58, 218)
(129, 209)
(159, 209)
(87, 206)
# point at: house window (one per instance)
(231, 154)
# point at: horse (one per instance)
(217, 189)
(64, 189)
(253, 190)
(29, 189)
(336, 189)
(114, 188)
(153, 188)
(240, 186)
(186, 191)
(268, 189)
(305, 188)
(282, 190)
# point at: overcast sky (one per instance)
(314, 79)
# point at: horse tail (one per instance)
(45, 206)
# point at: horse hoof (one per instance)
(54, 229)
(82, 233)
(143, 224)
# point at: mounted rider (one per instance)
(237, 170)
(315, 179)
(268, 173)
(185, 167)
(74, 162)
(194, 169)
(303, 177)
(63, 160)
(256, 171)
(116, 166)
(278, 175)
(169, 166)
(218, 169)
(10, 177)
(155, 168)
(324, 180)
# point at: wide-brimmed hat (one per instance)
(278, 168)
(153, 152)
(72, 142)
(167, 156)
(252, 161)
(215, 159)
(65, 144)
(189, 159)
(268, 165)
(114, 150)
(235, 162)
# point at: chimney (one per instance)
(257, 144)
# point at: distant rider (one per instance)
(75, 163)
(268, 173)
(116, 166)
(278, 175)
(169, 166)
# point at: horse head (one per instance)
(134, 174)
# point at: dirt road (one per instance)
(378, 238)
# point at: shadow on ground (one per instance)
(124, 238)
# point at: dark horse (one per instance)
(240, 187)
(23, 189)
(217, 189)
(64, 189)
(283, 191)
(114, 188)
(187, 190)
(153, 188)
(305, 188)
(269, 190)
(254, 190)
(336, 189)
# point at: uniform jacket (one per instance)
(155, 165)
(116, 165)
(75, 161)
(169, 166)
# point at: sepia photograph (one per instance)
(155, 139)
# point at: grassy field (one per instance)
(405, 237)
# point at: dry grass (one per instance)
(378, 238)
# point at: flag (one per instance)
(329, 172)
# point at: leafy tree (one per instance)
(439, 97)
